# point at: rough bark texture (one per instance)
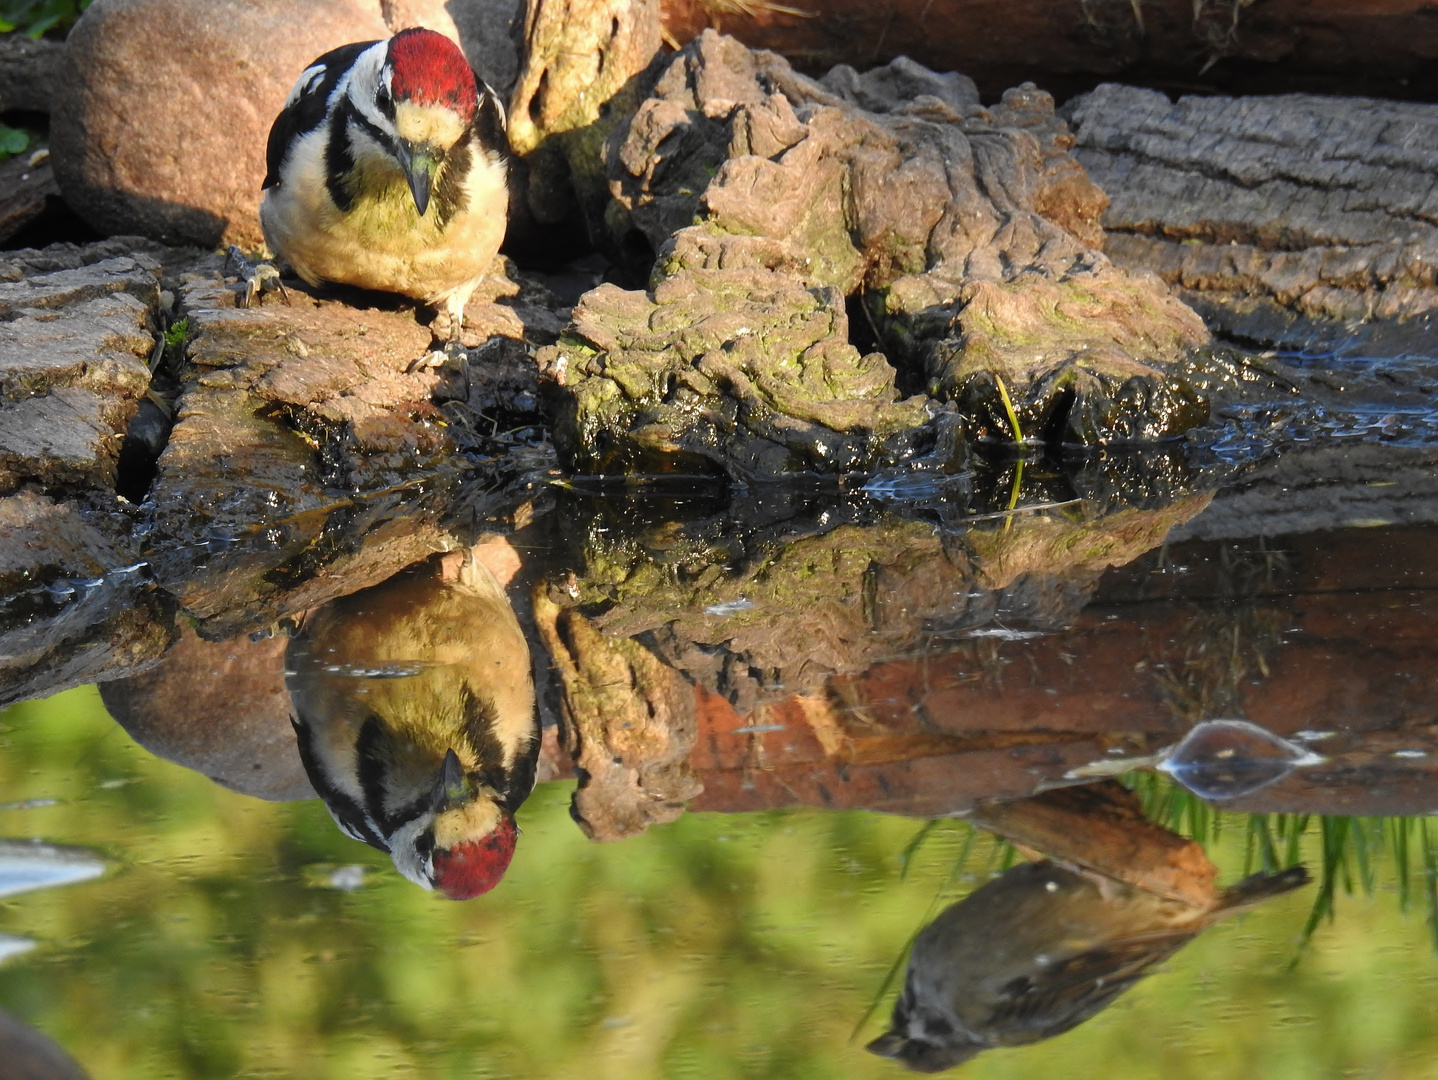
(1383, 47)
(1270, 209)
(75, 340)
(965, 227)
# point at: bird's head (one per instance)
(428, 92)
(462, 843)
(922, 1054)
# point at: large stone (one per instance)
(169, 139)
(218, 708)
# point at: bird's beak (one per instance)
(420, 164)
(452, 788)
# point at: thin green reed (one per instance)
(1349, 849)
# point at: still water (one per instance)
(721, 945)
(891, 712)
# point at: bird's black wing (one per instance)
(307, 111)
(1072, 990)
(515, 781)
(348, 814)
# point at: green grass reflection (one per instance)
(719, 946)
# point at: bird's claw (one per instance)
(259, 278)
(453, 356)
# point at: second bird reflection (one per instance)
(415, 715)
(1045, 946)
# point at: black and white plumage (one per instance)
(415, 716)
(387, 170)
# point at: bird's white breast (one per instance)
(382, 242)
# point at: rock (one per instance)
(78, 603)
(74, 351)
(577, 84)
(170, 141)
(220, 709)
(1271, 212)
(290, 411)
(629, 724)
(738, 372)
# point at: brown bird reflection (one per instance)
(1048, 944)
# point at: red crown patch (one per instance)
(429, 69)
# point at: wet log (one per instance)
(25, 191)
(1270, 212)
(1101, 827)
(76, 602)
(75, 338)
(1314, 635)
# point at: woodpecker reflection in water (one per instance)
(415, 716)
(1038, 951)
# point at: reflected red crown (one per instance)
(473, 867)
(429, 69)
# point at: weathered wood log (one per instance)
(1295, 206)
(25, 191)
(29, 72)
(1379, 46)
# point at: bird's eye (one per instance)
(424, 844)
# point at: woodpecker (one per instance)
(386, 170)
(413, 706)
(1038, 951)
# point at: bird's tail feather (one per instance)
(1261, 886)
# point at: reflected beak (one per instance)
(452, 788)
(420, 163)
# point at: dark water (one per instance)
(877, 670)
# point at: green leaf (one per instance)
(12, 141)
